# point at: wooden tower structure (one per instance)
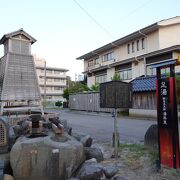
(19, 90)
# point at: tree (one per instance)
(58, 103)
(95, 87)
(74, 88)
(66, 94)
(116, 77)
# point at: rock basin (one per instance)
(46, 158)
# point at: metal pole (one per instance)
(44, 80)
(116, 139)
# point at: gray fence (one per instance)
(89, 101)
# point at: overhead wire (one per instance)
(92, 18)
(100, 26)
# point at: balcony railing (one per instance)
(104, 63)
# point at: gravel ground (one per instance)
(137, 162)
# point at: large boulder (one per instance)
(47, 158)
(85, 139)
(110, 170)
(90, 171)
(151, 136)
(93, 152)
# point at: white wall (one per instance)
(90, 81)
(110, 73)
(138, 68)
(169, 36)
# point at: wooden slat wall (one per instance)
(144, 100)
(90, 101)
(20, 80)
(86, 102)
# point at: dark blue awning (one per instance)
(165, 63)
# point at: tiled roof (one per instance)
(144, 84)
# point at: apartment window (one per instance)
(49, 88)
(108, 56)
(41, 79)
(59, 72)
(96, 61)
(59, 80)
(56, 72)
(49, 71)
(42, 70)
(128, 48)
(137, 43)
(125, 74)
(90, 63)
(101, 78)
(150, 71)
(132, 46)
(58, 88)
(49, 79)
(143, 43)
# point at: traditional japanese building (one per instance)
(19, 88)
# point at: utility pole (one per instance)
(44, 80)
(116, 134)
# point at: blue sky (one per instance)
(64, 31)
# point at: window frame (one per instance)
(143, 43)
(133, 47)
(128, 48)
(128, 73)
(137, 45)
(108, 56)
(101, 78)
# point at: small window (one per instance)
(90, 63)
(125, 74)
(128, 48)
(143, 45)
(49, 71)
(57, 72)
(137, 45)
(108, 56)
(132, 46)
(101, 78)
(96, 60)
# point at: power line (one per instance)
(136, 9)
(100, 26)
(95, 21)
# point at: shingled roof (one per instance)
(141, 84)
(14, 33)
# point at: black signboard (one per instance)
(115, 94)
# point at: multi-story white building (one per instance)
(56, 80)
(132, 56)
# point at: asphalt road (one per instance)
(101, 126)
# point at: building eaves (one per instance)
(14, 33)
(120, 41)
